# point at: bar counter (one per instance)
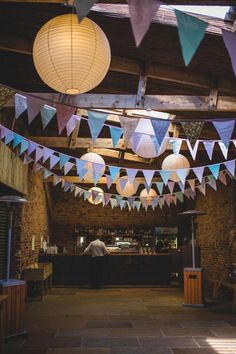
(119, 269)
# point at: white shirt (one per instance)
(96, 248)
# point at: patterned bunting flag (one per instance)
(83, 7)
(64, 113)
(47, 113)
(20, 104)
(96, 121)
(191, 32)
(141, 15)
(225, 130)
(192, 131)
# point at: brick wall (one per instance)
(69, 212)
(213, 230)
(32, 219)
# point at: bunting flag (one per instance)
(223, 149)
(80, 165)
(123, 182)
(141, 15)
(114, 170)
(47, 153)
(107, 197)
(171, 186)
(56, 180)
(64, 113)
(63, 159)
(96, 121)
(215, 170)
(181, 186)
(97, 172)
(193, 150)
(199, 172)
(9, 137)
(222, 178)
(165, 175)
(180, 196)
(160, 128)
(67, 167)
(115, 133)
(230, 165)
(118, 199)
(83, 7)
(53, 161)
(20, 105)
(34, 107)
(148, 174)
(225, 130)
(113, 202)
(38, 154)
(46, 173)
(17, 140)
(229, 38)
(32, 147)
(122, 204)
(209, 146)
(191, 182)
(182, 173)
(191, 32)
(192, 130)
(212, 182)
(24, 146)
(131, 173)
(95, 195)
(47, 113)
(202, 188)
(72, 123)
(77, 191)
(160, 186)
(175, 145)
(128, 125)
(109, 181)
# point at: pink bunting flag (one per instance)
(109, 181)
(141, 15)
(38, 154)
(64, 114)
(171, 186)
(72, 124)
(222, 177)
(107, 197)
(76, 191)
(34, 107)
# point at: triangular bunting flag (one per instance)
(27, 159)
(182, 173)
(123, 182)
(109, 181)
(95, 195)
(64, 113)
(56, 179)
(38, 154)
(47, 153)
(165, 175)
(131, 173)
(202, 188)
(180, 196)
(230, 165)
(83, 7)
(46, 173)
(225, 130)
(76, 191)
(63, 159)
(80, 165)
(97, 172)
(115, 133)
(209, 146)
(24, 146)
(118, 199)
(223, 149)
(32, 147)
(193, 150)
(176, 145)
(37, 167)
(114, 170)
(141, 15)
(113, 202)
(9, 137)
(160, 128)
(160, 186)
(222, 177)
(47, 113)
(171, 186)
(215, 170)
(199, 172)
(72, 124)
(17, 140)
(67, 167)
(107, 197)
(128, 125)
(34, 107)
(67, 186)
(229, 38)
(148, 174)
(53, 161)
(212, 182)
(20, 104)
(192, 130)
(96, 121)
(122, 204)
(192, 183)
(191, 32)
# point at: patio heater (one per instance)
(193, 277)
(15, 289)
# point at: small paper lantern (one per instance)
(99, 197)
(148, 195)
(71, 57)
(175, 162)
(129, 189)
(92, 157)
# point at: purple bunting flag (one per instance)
(160, 128)
(131, 173)
(148, 174)
(199, 172)
(128, 125)
(224, 129)
(64, 113)
(34, 107)
(209, 146)
(229, 38)
(230, 165)
(53, 161)
(72, 124)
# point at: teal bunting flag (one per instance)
(83, 8)
(165, 176)
(215, 169)
(47, 113)
(160, 186)
(114, 170)
(63, 159)
(96, 121)
(20, 104)
(191, 32)
(182, 173)
(116, 133)
(24, 146)
(17, 140)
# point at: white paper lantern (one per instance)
(99, 198)
(92, 157)
(148, 195)
(175, 162)
(71, 57)
(129, 189)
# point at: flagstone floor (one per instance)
(124, 321)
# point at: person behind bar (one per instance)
(98, 250)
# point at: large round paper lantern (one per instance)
(148, 195)
(71, 57)
(129, 189)
(92, 157)
(99, 197)
(175, 162)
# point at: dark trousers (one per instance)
(97, 264)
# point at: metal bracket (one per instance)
(140, 98)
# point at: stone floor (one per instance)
(124, 321)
